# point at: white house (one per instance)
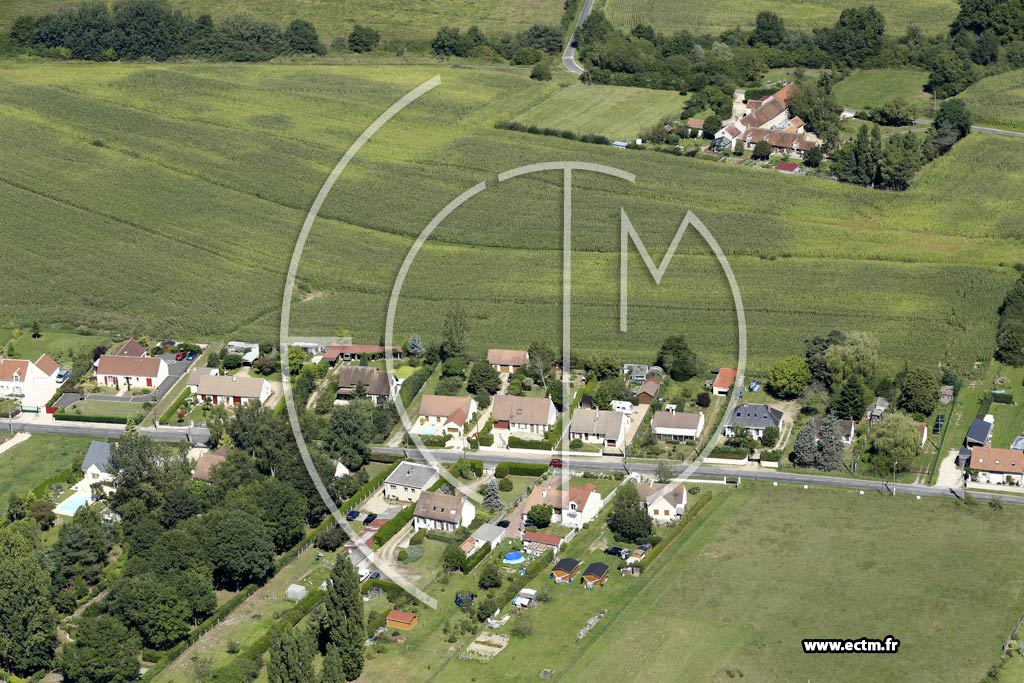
(31, 383)
(444, 414)
(754, 417)
(526, 415)
(232, 389)
(130, 372)
(998, 465)
(665, 503)
(96, 468)
(673, 426)
(486, 534)
(407, 481)
(573, 508)
(442, 512)
(606, 428)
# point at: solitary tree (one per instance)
(363, 39)
(492, 497)
(490, 577)
(762, 150)
(894, 443)
(830, 445)
(805, 448)
(677, 359)
(664, 473)
(539, 516)
(455, 332)
(415, 347)
(483, 377)
(629, 520)
(788, 377)
(36, 330)
(453, 558)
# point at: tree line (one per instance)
(151, 29)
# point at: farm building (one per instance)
(130, 372)
(507, 360)
(565, 570)
(595, 574)
(404, 621)
(380, 385)
(787, 167)
(768, 120)
(407, 481)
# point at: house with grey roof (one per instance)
(96, 468)
(408, 481)
(754, 417)
(606, 428)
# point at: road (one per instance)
(569, 54)
(612, 463)
(982, 129)
(106, 431)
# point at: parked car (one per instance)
(556, 462)
(181, 355)
(503, 524)
(369, 518)
(374, 575)
(624, 554)
(645, 546)
(614, 550)
(352, 515)
(191, 356)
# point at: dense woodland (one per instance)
(173, 541)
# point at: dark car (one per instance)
(352, 515)
(374, 575)
(191, 356)
(556, 462)
(646, 546)
(369, 518)
(503, 524)
(181, 355)
(614, 550)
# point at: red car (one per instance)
(556, 462)
(181, 355)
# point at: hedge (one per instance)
(171, 412)
(415, 382)
(66, 476)
(473, 560)
(1004, 398)
(771, 456)
(394, 592)
(385, 457)
(434, 440)
(486, 439)
(445, 537)
(516, 442)
(522, 469)
(677, 529)
(61, 415)
(729, 453)
(418, 537)
(393, 526)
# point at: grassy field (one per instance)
(105, 408)
(619, 113)
(395, 19)
(714, 17)
(203, 174)
(707, 612)
(59, 344)
(26, 465)
(997, 101)
(874, 87)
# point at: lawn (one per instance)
(175, 157)
(997, 101)
(58, 344)
(706, 609)
(874, 87)
(716, 16)
(1009, 418)
(97, 408)
(619, 113)
(396, 20)
(26, 465)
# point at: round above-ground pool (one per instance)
(514, 558)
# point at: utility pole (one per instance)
(894, 463)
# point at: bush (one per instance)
(412, 554)
(418, 537)
(541, 72)
(730, 453)
(704, 399)
(1002, 398)
(505, 484)
(393, 526)
(576, 444)
(516, 442)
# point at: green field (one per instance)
(874, 87)
(203, 174)
(26, 465)
(57, 344)
(395, 19)
(716, 16)
(619, 113)
(105, 408)
(997, 101)
(734, 597)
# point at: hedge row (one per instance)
(552, 132)
(1004, 398)
(394, 592)
(677, 529)
(385, 457)
(522, 469)
(412, 385)
(61, 415)
(476, 558)
(66, 476)
(729, 453)
(286, 620)
(516, 442)
(171, 413)
(393, 526)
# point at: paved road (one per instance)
(982, 129)
(610, 463)
(106, 431)
(569, 54)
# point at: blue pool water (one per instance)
(68, 506)
(427, 431)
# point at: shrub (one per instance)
(1002, 398)
(412, 554)
(576, 444)
(541, 72)
(393, 526)
(520, 469)
(505, 484)
(704, 399)
(516, 442)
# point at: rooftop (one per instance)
(412, 475)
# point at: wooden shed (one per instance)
(566, 570)
(595, 574)
(401, 620)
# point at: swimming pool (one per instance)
(427, 431)
(69, 505)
